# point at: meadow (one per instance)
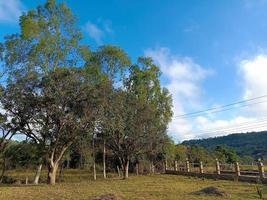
(78, 185)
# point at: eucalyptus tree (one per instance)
(55, 112)
(48, 95)
(141, 110)
(109, 65)
(144, 83)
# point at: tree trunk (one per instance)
(153, 168)
(68, 164)
(126, 169)
(52, 173)
(94, 167)
(104, 159)
(137, 169)
(53, 161)
(37, 175)
(61, 172)
(3, 170)
(118, 170)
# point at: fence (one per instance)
(235, 171)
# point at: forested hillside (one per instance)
(252, 144)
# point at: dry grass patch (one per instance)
(79, 185)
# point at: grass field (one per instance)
(79, 185)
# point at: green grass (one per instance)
(79, 185)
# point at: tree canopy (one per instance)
(58, 92)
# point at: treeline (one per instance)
(62, 95)
(195, 154)
(26, 155)
(245, 144)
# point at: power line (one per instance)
(235, 125)
(247, 126)
(241, 127)
(240, 130)
(217, 109)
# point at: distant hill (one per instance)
(252, 144)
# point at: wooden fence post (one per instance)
(237, 169)
(261, 169)
(201, 171)
(218, 170)
(175, 165)
(187, 166)
(166, 165)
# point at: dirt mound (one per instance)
(211, 191)
(107, 197)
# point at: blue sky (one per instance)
(210, 52)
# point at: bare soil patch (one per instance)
(212, 191)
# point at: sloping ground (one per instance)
(166, 187)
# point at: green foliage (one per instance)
(181, 152)
(59, 92)
(245, 144)
(169, 149)
(197, 154)
(225, 154)
(22, 154)
(49, 39)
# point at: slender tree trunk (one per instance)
(137, 169)
(3, 170)
(118, 170)
(37, 175)
(104, 159)
(126, 169)
(94, 166)
(61, 171)
(153, 168)
(68, 164)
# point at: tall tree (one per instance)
(135, 112)
(45, 91)
(144, 83)
(55, 111)
(109, 64)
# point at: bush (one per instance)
(8, 180)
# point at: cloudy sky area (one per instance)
(211, 53)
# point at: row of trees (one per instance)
(195, 154)
(56, 92)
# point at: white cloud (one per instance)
(10, 11)
(183, 77)
(94, 32)
(253, 77)
(98, 31)
(213, 128)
